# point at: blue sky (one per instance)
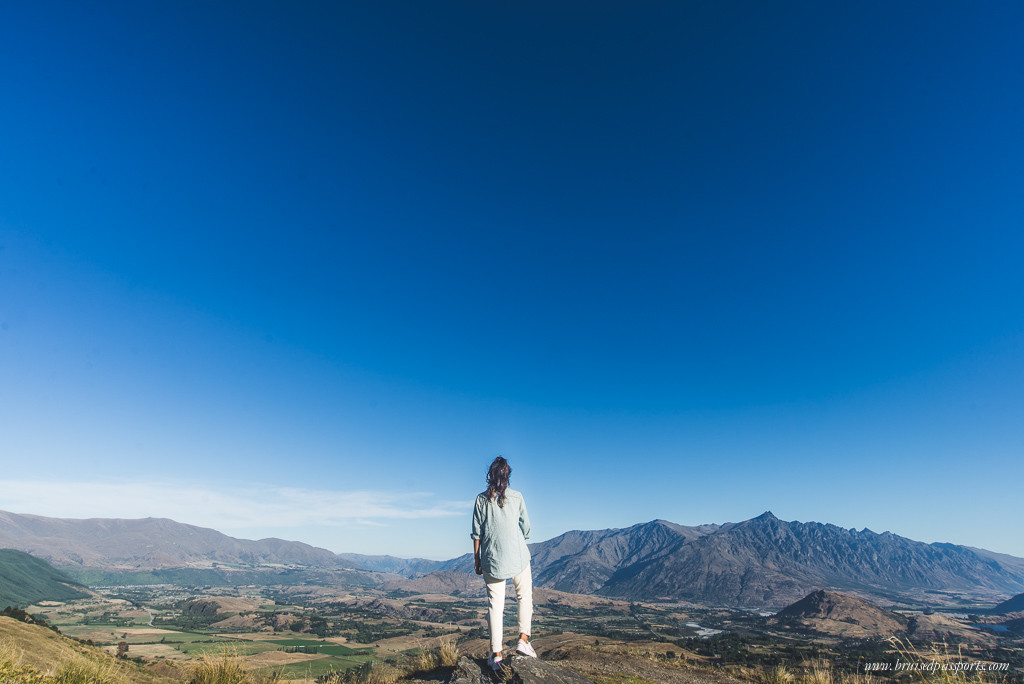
(304, 271)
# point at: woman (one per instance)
(500, 530)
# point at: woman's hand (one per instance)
(478, 569)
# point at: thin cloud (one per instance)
(224, 508)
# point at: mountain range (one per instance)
(759, 563)
(762, 563)
(146, 544)
(767, 562)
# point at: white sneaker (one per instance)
(525, 649)
(494, 662)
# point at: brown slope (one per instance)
(938, 628)
(834, 612)
(33, 646)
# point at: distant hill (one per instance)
(147, 544)
(25, 580)
(833, 612)
(847, 616)
(761, 563)
(1012, 605)
(440, 582)
(407, 567)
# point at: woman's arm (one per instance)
(524, 520)
(478, 529)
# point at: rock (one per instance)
(517, 670)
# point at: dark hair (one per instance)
(497, 479)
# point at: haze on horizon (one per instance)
(304, 272)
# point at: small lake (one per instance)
(994, 628)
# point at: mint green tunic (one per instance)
(502, 531)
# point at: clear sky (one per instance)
(303, 269)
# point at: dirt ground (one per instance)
(614, 667)
(634, 663)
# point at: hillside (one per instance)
(1011, 605)
(842, 614)
(31, 650)
(583, 562)
(146, 544)
(25, 580)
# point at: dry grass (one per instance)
(375, 673)
(818, 672)
(424, 661)
(12, 666)
(908, 653)
(84, 671)
(226, 668)
(822, 672)
(68, 667)
(780, 674)
(446, 654)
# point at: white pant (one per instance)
(523, 583)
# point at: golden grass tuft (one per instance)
(68, 667)
(12, 667)
(818, 672)
(80, 670)
(780, 674)
(448, 652)
(381, 673)
(909, 653)
(424, 661)
(226, 668)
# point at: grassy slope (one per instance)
(25, 579)
(46, 651)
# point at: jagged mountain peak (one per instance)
(766, 562)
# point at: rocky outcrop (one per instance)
(517, 670)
